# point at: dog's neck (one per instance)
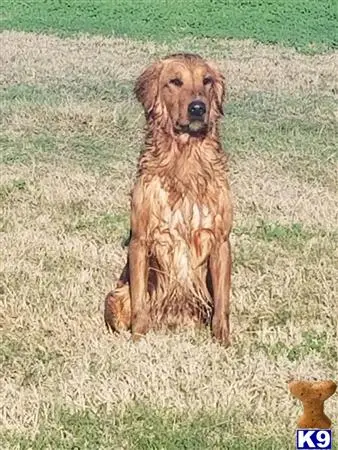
(181, 159)
(165, 138)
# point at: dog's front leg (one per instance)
(220, 271)
(138, 264)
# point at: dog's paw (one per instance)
(220, 333)
(136, 337)
(139, 327)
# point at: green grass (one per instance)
(289, 237)
(312, 343)
(309, 25)
(111, 91)
(142, 428)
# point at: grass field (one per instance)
(309, 25)
(70, 135)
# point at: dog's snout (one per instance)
(196, 108)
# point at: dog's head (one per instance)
(183, 93)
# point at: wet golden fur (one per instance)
(179, 258)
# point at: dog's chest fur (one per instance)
(189, 209)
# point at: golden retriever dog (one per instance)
(179, 258)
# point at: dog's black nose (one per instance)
(197, 108)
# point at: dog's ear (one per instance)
(147, 87)
(218, 87)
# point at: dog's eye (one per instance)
(207, 80)
(176, 82)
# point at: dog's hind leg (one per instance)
(117, 314)
(117, 306)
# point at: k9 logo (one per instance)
(314, 439)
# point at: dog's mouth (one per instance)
(194, 128)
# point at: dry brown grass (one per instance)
(64, 215)
(30, 58)
(276, 195)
